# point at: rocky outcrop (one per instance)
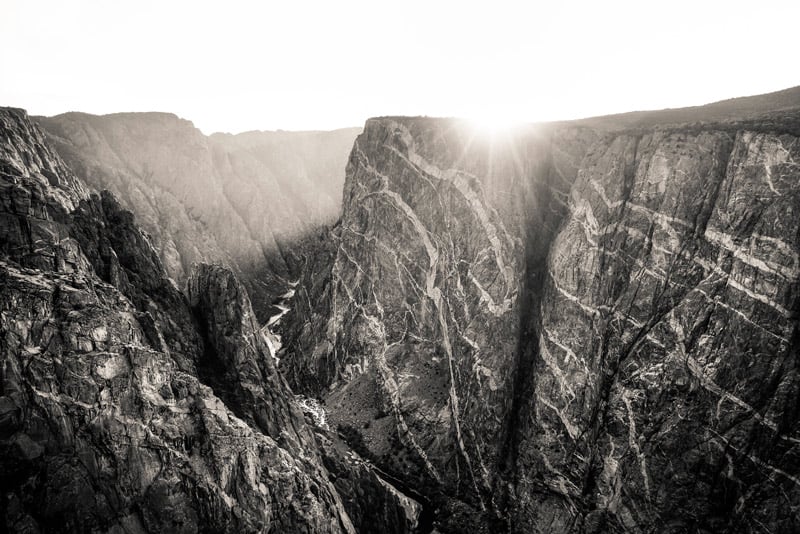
(121, 255)
(237, 353)
(101, 430)
(38, 192)
(235, 200)
(109, 420)
(569, 330)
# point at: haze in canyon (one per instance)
(520, 320)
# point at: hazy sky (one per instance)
(234, 65)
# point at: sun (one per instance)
(494, 124)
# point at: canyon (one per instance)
(128, 406)
(242, 201)
(584, 326)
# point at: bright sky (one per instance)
(235, 65)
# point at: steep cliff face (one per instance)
(107, 422)
(665, 385)
(232, 200)
(569, 330)
(241, 367)
(427, 290)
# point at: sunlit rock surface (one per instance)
(420, 350)
(567, 329)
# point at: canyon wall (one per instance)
(568, 329)
(665, 386)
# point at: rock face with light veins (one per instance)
(569, 330)
(666, 378)
(575, 327)
(426, 292)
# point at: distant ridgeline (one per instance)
(237, 200)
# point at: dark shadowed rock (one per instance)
(238, 359)
(105, 423)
